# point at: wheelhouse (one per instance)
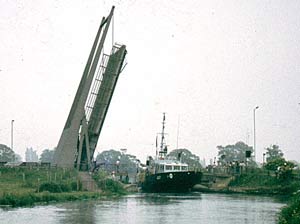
(164, 166)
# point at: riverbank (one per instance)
(263, 183)
(252, 183)
(28, 187)
(291, 212)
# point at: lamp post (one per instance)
(12, 136)
(264, 154)
(254, 134)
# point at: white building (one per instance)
(31, 156)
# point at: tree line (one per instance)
(274, 157)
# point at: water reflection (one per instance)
(83, 212)
(154, 208)
(165, 198)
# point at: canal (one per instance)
(154, 208)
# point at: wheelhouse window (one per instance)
(176, 167)
(184, 168)
(168, 167)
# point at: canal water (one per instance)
(154, 208)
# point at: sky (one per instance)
(206, 64)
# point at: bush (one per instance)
(254, 180)
(100, 175)
(291, 213)
(59, 187)
(115, 186)
(17, 200)
(51, 187)
(65, 187)
(276, 163)
(108, 184)
(74, 186)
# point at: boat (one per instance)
(167, 175)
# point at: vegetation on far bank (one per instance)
(108, 184)
(264, 182)
(26, 187)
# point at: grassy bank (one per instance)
(290, 214)
(30, 199)
(108, 184)
(263, 183)
(26, 187)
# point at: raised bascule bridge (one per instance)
(82, 129)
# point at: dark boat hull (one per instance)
(171, 182)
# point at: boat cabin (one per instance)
(164, 166)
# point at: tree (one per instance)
(282, 167)
(233, 153)
(6, 154)
(18, 158)
(276, 163)
(112, 160)
(185, 156)
(273, 152)
(47, 156)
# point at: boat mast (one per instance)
(163, 148)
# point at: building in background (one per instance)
(31, 155)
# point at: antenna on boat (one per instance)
(163, 148)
